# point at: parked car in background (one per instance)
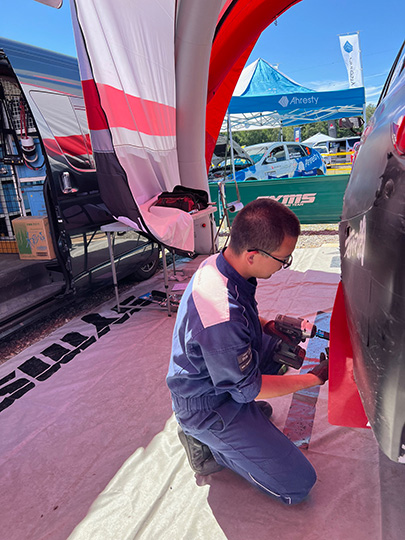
(337, 153)
(221, 163)
(281, 160)
(223, 150)
(323, 150)
(224, 168)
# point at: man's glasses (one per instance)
(285, 262)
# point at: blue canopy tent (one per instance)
(266, 98)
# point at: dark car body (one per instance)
(372, 245)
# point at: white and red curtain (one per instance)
(157, 77)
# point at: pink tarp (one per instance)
(91, 451)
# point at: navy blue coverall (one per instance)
(219, 354)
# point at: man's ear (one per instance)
(249, 256)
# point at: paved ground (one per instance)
(317, 235)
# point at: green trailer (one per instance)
(315, 199)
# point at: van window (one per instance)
(80, 111)
(295, 151)
(65, 116)
(277, 154)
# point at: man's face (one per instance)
(264, 266)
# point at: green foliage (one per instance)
(370, 111)
(257, 136)
(312, 129)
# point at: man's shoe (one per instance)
(266, 408)
(199, 455)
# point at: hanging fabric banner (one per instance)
(128, 79)
(350, 47)
(144, 70)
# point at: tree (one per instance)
(370, 111)
(256, 136)
(312, 129)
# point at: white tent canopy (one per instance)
(317, 138)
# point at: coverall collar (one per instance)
(247, 285)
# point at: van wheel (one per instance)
(148, 269)
(251, 178)
(319, 172)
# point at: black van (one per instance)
(47, 173)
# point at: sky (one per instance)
(304, 42)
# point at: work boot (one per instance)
(266, 408)
(199, 455)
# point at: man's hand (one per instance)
(322, 369)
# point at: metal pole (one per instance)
(362, 79)
(114, 274)
(6, 212)
(232, 159)
(17, 187)
(231, 143)
(166, 282)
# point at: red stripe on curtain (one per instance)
(127, 111)
(95, 114)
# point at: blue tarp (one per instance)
(262, 79)
(264, 97)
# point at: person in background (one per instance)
(222, 364)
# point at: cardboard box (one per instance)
(33, 238)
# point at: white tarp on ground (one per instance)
(91, 451)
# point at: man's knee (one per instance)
(296, 485)
(289, 493)
(304, 481)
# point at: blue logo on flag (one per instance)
(348, 47)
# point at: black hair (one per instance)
(263, 224)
